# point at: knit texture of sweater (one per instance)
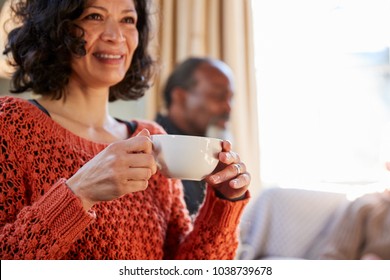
(41, 218)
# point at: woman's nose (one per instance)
(112, 31)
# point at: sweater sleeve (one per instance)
(215, 231)
(42, 228)
(47, 228)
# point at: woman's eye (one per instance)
(130, 20)
(93, 17)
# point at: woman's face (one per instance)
(111, 38)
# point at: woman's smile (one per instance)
(109, 58)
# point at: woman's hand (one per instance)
(123, 167)
(230, 179)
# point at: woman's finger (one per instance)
(240, 181)
(141, 143)
(228, 173)
(136, 174)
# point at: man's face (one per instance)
(209, 102)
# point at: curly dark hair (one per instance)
(43, 45)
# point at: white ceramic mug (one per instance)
(186, 157)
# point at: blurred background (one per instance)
(323, 76)
(312, 103)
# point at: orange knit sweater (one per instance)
(42, 219)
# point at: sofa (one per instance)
(283, 223)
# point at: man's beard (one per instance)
(215, 131)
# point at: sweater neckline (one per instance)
(69, 135)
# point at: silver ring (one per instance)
(238, 168)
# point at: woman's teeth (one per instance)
(108, 56)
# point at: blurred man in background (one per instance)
(198, 96)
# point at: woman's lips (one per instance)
(108, 58)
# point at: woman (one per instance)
(77, 183)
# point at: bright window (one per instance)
(324, 92)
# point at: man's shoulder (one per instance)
(162, 120)
(168, 125)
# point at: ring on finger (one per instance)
(238, 168)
